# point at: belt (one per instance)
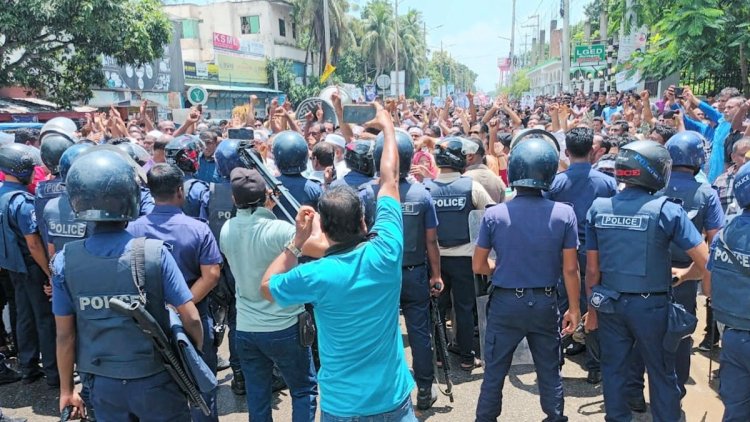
(519, 292)
(645, 295)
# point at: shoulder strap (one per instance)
(138, 265)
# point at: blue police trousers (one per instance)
(152, 399)
(685, 294)
(642, 319)
(35, 324)
(734, 375)
(210, 357)
(415, 305)
(459, 285)
(511, 316)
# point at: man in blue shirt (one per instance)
(194, 249)
(118, 361)
(207, 162)
(579, 186)
(355, 290)
(611, 109)
(535, 241)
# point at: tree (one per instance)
(309, 14)
(378, 42)
(519, 83)
(55, 48)
(412, 49)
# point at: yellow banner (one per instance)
(236, 69)
(327, 73)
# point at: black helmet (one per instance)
(69, 156)
(18, 160)
(451, 152)
(644, 163)
(61, 126)
(102, 186)
(183, 152)
(359, 157)
(52, 148)
(405, 151)
(227, 157)
(290, 152)
(533, 164)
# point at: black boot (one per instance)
(238, 383)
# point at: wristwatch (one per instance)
(293, 249)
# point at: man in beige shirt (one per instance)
(480, 173)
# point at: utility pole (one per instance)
(512, 35)
(603, 22)
(326, 33)
(398, 93)
(566, 46)
(525, 49)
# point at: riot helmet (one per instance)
(70, 154)
(686, 150)
(742, 186)
(405, 151)
(183, 152)
(18, 160)
(122, 152)
(451, 152)
(533, 164)
(644, 163)
(61, 126)
(52, 148)
(227, 157)
(103, 186)
(290, 152)
(359, 157)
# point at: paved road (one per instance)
(583, 402)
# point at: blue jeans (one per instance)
(734, 375)
(211, 359)
(258, 353)
(511, 316)
(415, 305)
(403, 413)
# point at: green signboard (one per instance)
(589, 53)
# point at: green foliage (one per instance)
(286, 80)
(55, 47)
(519, 83)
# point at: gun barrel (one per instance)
(251, 159)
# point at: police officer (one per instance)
(535, 241)
(184, 152)
(730, 287)
(701, 203)
(207, 160)
(193, 247)
(628, 276)
(220, 209)
(291, 155)
(146, 202)
(118, 362)
(25, 258)
(420, 249)
(455, 196)
(358, 156)
(54, 144)
(578, 186)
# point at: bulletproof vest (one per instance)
(413, 210)
(46, 191)
(108, 343)
(695, 203)
(453, 204)
(730, 282)
(11, 257)
(633, 252)
(368, 198)
(192, 207)
(220, 207)
(60, 220)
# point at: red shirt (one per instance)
(40, 174)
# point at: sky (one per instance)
(469, 29)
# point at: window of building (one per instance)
(250, 24)
(190, 29)
(282, 28)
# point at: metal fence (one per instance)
(712, 84)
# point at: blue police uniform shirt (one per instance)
(528, 235)
(356, 295)
(305, 191)
(207, 170)
(147, 203)
(673, 221)
(199, 195)
(190, 241)
(714, 216)
(353, 179)
(114, 243)
(579, 186)
(22, 214)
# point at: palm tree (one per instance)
(310, 16)
(378, 43)
(412, 49)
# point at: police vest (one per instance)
(730, 282)
(453, 204)
(695, 203)
(46, 191)
(11, 257)
(633, 252)
(108, 343)
(61, 224)
(413, 210)
(368, 197)
(220, 207)
(192, 206)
